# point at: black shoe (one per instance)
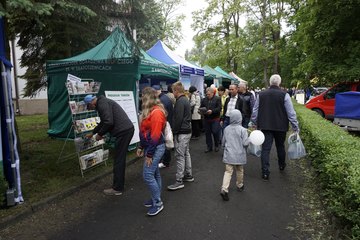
(240, 189)
(282, 168)
(208, 150)
(265, 177)
(216, 149)
(224, 196)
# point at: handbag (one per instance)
(296, 149)
(168, 135)
(254, 150)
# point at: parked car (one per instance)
(324, 104)
(317, 91)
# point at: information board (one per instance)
(126, 100)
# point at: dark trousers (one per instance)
(166, 158)
(245, 121)
(266, 148)
(212, 129)
(121, 147)
(195, 125)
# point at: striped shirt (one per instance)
(231, 105)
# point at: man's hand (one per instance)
(148, 161)
(139, 152)
(208, 112)
(251, 126)
(89, 135)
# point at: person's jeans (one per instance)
(121, 147)
(266, 148)
(212, 129)
(182, 156)
(229, 169)
(152, 176)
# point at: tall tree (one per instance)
(328, 34)
(52, 30)
(219, 32)
(171, 27)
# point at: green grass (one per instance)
(44, 172)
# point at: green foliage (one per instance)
(171, 23)
(335, 155)
(328, 34)
(53, 30)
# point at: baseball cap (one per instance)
(156, 87)
(89, 98)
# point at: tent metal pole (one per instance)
(9, 128)
(15, 76)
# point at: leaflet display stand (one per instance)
(89, 151)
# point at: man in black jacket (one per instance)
(115, 121)
(211, 106)
(181, 128)
(248, 103)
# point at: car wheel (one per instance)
(319, 111)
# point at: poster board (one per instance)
(126, 100)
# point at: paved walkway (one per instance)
(265, 210)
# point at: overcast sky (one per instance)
(188, 33)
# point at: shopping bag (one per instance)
(296, 149)
(254, 150)
(168, 135)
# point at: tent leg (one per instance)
(11, 193)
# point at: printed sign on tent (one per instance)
(126, 100)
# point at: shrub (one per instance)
(335, 154)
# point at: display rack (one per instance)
(89, 151)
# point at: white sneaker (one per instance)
(161, 165)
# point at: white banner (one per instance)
(126, 100)
(73, 78)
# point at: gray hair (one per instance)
(242, 84)
(210, 89)
(275, 80)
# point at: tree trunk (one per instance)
(264, 42)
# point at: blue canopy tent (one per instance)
(189, 74)
(9, 156)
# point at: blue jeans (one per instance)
(152, 176)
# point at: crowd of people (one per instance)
(225, 115)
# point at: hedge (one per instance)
(335, 154)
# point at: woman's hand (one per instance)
(140, 152)
(148, 161)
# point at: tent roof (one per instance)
(238, 78)
(164, 54)
(219, 69)
(216, 74)
(118, 46)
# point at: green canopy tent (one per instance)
(227, 79)
(112, 62)
(212, 74)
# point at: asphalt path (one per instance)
(265, 210)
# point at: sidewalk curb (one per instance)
(5, 222)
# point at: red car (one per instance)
(324, 104)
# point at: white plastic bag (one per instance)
(296, 149)
(254, 150)
(168, 135)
